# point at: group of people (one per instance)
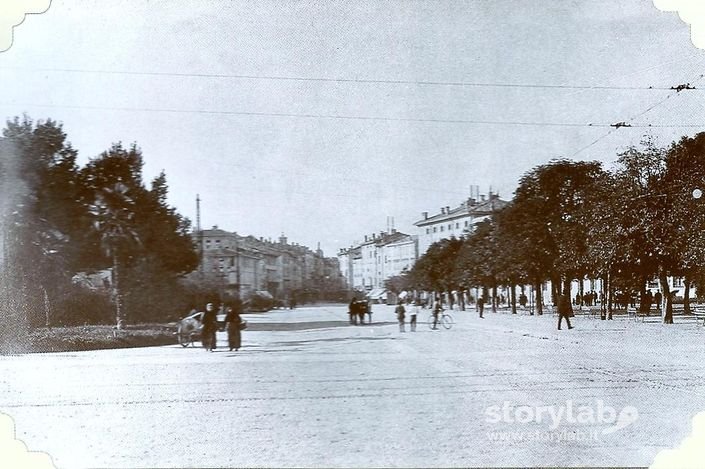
(400, 311)
(233, 325)
(588, 298)
(357, 311)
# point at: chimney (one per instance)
(447, 209)
(443, 210)
(425, 215)
(482, 197)
(471, 202)
(215, 227)
(394, 230)
(365, 238)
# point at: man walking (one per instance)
(412, 316)
(401, 313)
(481, 306)
(565, 310)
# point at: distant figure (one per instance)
(646, 302)
(368, 310)
(412, 316)
(565, 309)
(361, 310)
(352, 311)
(209, 320)
(481, 305)
(401, 313)
(437, 309)
(523, 300)
(233, 323)
(657, 299)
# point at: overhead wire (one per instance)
(342, 80)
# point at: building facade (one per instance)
(380, 256)
(456, 222)
(244, 264)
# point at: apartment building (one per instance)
(233, 262)
(381, 255)
(457, 221)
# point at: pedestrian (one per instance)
(565, 309)
(437, 309)
(412, 315)
(401, 313)
(657, 299)
(523, 300)
(209, 321)
(233, 323)
(646, 302)
(361, 311)
(481, 305)
(352, 311)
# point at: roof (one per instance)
(467, 208)
(376, 293)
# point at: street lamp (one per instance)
(697, 193)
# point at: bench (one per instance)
(699, 313)
(633, 312)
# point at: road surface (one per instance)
(308, 389)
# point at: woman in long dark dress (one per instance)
(209, 320)
(233, 323)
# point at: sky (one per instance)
(321, 119)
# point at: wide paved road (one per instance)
(307, 389)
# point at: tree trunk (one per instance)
(494, 298)
(513, 296)
(581, 292)
(686, 296)
(643, 306)
(539, 299)
(667, 301)
(119, 314)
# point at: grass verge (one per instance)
(80, 338)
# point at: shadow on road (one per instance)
(301, 326)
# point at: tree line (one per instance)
(641, 219)
(59, 218)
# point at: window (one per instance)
(457, 225)
(466, 223)
(442, 227)
(434, 229)
(428, 230)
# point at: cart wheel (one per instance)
(184, 338)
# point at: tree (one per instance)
(477, 260)
(683, 178)
(435, 270)
(49, 216)
(645, 218)
(114, 221)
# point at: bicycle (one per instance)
(444, 319)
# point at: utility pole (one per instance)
(200, 237)
(237, 265)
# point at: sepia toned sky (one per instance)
(320, 119)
